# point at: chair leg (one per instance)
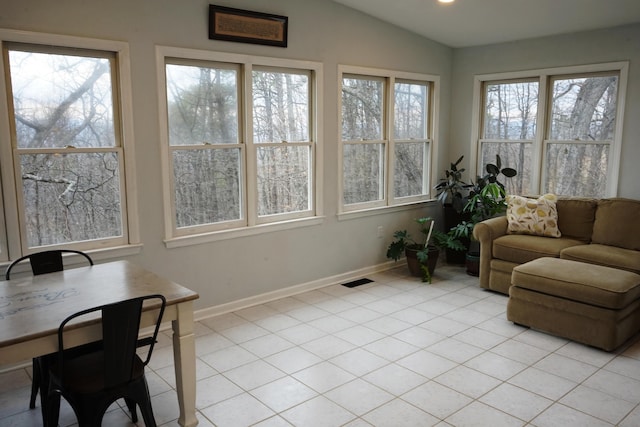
(147, 414)
(140, 390)
(131, 404)
(35, 383)
(52, 410)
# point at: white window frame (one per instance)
(390, 77)
(11, 245)
(540, 141)
(251, 224)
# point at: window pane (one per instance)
(362, 109)
(410, 121)
(283, 179)
(514, 155)
(577, 169)
(61, 100)
(207, 186)
(410, 169)
(510, 110)
(584, 108)
(71, 197)
(202, 105)
(363, 170)
(280, 107)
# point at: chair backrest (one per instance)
(120, 329)
(46, 261)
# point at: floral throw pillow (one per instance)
(538, 217)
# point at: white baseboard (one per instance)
(290, 291)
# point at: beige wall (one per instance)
(319, 30)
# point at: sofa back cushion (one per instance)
(576, 216)
(617, 223)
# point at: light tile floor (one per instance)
(395, 352)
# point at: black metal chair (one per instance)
(43, 263)
(91, 382)
(46, 261)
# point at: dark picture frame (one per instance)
(244, 26)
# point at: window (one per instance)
(386, 136)
(67, 146)
(561, 129)
(241, 142)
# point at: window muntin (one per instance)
(572, 147)
(66, 145)
(260, 170)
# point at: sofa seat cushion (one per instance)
(610, 256)
(524, 248)
(591, 284)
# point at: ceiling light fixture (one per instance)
(445, 1)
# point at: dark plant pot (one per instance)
(413, 264)
(456, 257)
(473, 263)
(452, 217)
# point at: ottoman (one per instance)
(587, 303)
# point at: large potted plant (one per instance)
(487, 198)
(451, 189)
(452, 192)
(421, 254)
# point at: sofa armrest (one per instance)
(486, 232)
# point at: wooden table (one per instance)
(32, 307)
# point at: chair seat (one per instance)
(84, 374)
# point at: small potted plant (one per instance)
(422, 255)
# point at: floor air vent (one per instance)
(357, 283)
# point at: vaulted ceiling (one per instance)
(465, 23)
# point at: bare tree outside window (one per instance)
(411, 103)
(67, 146)
(209, 156)
(386, 139)
(580, 118)
(583, 115)
(362, 133)
(281, 104)
(203, 107)
(509, 126)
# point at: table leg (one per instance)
(184, 354)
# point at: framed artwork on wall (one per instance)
(245, 26)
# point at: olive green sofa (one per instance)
(596, 231)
